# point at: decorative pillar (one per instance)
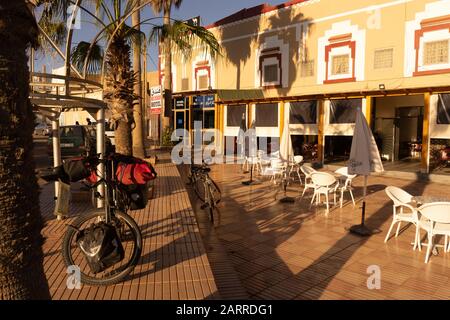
(369, 101)
(321, 132)
(425, 160)
(281, 119)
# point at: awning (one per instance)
(230, 95)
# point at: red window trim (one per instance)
(428, 26)
(208, 69)
(352, 46)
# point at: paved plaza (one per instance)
(258, 247)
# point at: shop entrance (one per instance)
(397, 128)
(408, 133)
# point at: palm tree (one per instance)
(21, 259)
(138, 132)
(182, 37)
(165, 7)
(119, 79)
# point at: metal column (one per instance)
(100, 118)
(56, 141)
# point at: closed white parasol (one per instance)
(364, 159)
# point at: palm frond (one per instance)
(54, 8)
(130, 6)
(56, 31)
(186, 37)
(95, 59)
(132, 35)
(158, 5)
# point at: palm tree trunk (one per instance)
(167, 115)
(138, 110)
(21, 259)
(118, 93)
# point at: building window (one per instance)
(303, 112)
(443, 109)
(270, 67)
(235, 114)
(435, 52)
(203, 82)
(184, 84)
(202, 75)
(307, 68)
(383, 58)
(340, 64)
(344, 110)
(271, 73)
(266, 115)
(208, 119)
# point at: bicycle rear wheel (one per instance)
(199, 188)
(130, 236)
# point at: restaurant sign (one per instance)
(155, 100)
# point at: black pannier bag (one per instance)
(77, 169)
(137, 195)
(101, 246)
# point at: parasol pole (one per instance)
(287, 199)
(361, 229)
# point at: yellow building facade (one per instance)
(308, 64)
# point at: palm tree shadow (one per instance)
(239, 51)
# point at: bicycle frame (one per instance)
(110, 189)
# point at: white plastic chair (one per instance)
(275, 155)
(295, 168)
(307, 171)
(324, 183)
(401, 200)
(263, 160)
(347, 184)
(435, 219)
(275, 170)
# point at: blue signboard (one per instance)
(198, 101)
(203, 101)
(209, 101)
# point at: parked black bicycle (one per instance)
(205, 188)
(106, 245)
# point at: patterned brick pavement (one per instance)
(288, 251)
(174, 264)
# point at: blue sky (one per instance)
(209, 11)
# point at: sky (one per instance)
(208, 10)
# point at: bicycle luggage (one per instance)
(134, 171)
(101, 246)
(77, 168)
(137, 195)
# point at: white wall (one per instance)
(437, 131)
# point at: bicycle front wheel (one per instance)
(130, 236)
(216, 194)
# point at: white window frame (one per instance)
(268, 62)
(433, 36)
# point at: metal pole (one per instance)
(363, 215)
(56, 146)
(100, 118)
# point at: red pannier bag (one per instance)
(134, 171)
